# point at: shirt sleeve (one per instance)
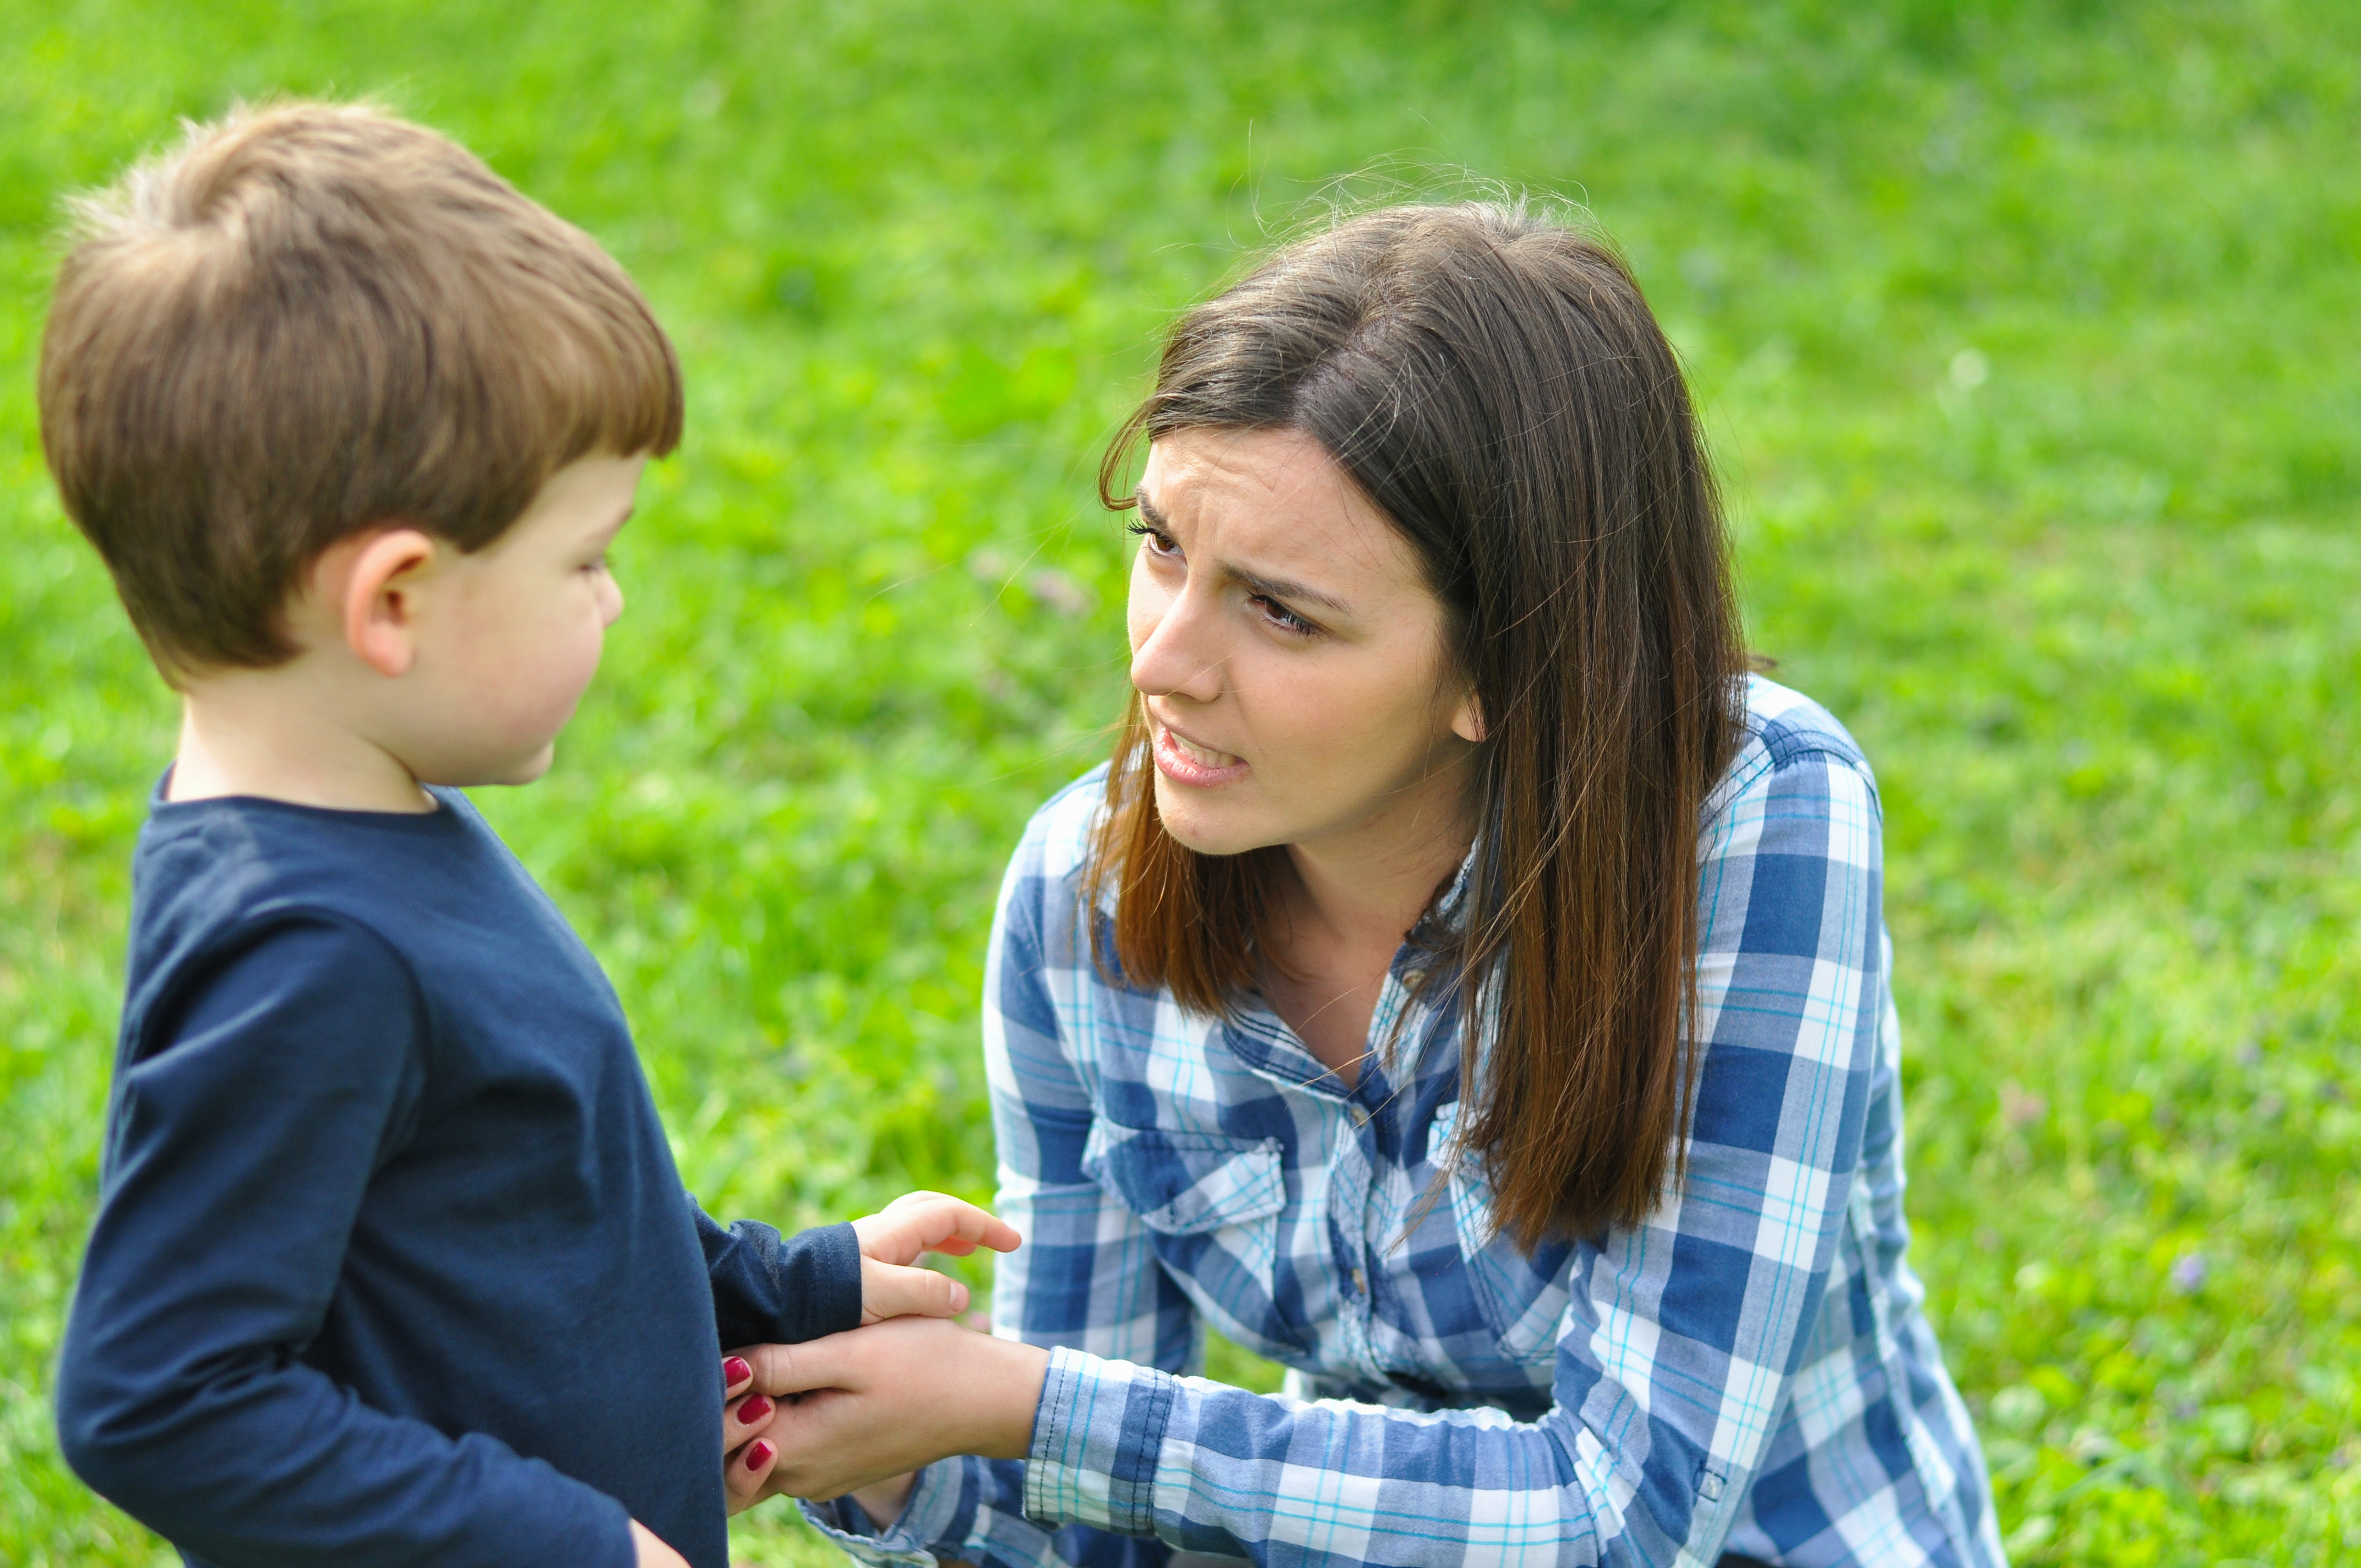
(244, 1133)
(783, 1290)
(1675, 1351)
(1086, 1275)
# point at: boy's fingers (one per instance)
(950, 1220)
(931, 1221)
(890, 1291)
(972, 1229)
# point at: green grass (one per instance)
(2027, 337)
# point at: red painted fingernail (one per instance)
(753, 1410)
(759, 1455)
(735, 1370)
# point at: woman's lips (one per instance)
(1186, 762)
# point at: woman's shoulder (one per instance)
(1057, 842)
(1792, 748)
(1783, 728)
(1785, 725)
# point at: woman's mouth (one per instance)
(1187, 762)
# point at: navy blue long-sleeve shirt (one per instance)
(392, 1263)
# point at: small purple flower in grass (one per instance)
(2188, 1272)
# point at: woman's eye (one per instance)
(1285, 619)
(1158, 541)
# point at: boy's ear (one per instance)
(379, 595)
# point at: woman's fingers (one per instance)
(831, 1363)
(744, 1419)
(747, 1457)
(895, 1397)
(890, 1291)
(745, 1471)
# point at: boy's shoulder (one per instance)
(242, 855)
(212, 877)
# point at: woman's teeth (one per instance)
(1203, 756)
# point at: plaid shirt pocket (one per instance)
(1211, 1204)
(1523, 1296)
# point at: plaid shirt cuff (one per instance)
(1095, 1443)
(928, 1517)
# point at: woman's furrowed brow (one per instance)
(1281, 589)
(1274, 587)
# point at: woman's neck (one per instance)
(1355, 898)
(1367, 902)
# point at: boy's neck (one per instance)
(267, 733)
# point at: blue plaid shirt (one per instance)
(1748, 1372)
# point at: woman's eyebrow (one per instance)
(1281, 588)
(1271, 588)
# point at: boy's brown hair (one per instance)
(310, 320)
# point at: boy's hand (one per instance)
(653, 1551)
(913, 1224)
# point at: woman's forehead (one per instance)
(1273, 503)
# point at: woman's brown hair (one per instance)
(1496, 385)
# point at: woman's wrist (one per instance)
(1005, 1396)
(1001, 1388)
(884, 1501)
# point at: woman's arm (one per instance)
(1676, 1351)
(1085, 1276)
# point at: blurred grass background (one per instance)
(2026, 332)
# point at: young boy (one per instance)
(391, 1263)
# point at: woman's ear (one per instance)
(1467, 718)
(379, 595)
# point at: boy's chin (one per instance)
(532, 768)
(504, 771)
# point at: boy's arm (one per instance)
(242, 1141)
(771, 1287)
(824, 1281)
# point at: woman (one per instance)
(1466, 985)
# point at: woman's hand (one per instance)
(745, 1456)
(855, 1409)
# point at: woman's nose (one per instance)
(1177, 656)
